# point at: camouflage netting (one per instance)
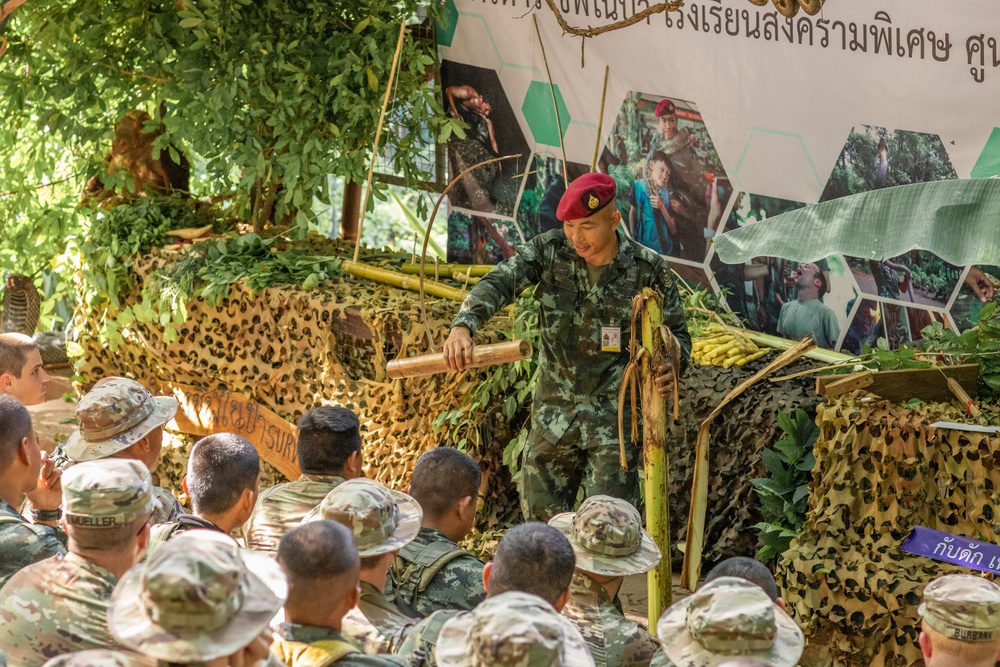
(282, 349)
(739, 434)
(880, 470)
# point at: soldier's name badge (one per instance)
(611, 339)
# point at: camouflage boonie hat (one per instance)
(729, 617)
(607, 537)
(197, 597)
(512, 629)
(963, 607)
(114, 415)
(106, 494)
(99, 657)
(381, 519)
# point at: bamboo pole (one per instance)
(378, 135)
(362, 270)
(555, 105)
(475, 270)
(695, 539)
(819, 354)
(654, 454)
(482, 355)
(600, 120)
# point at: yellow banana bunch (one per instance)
(718, 346)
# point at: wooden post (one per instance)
(654, 456)
(351, 211)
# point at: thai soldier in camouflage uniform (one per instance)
(25, 469)
(329, 452)
(586, 277)
(60, 604)
(532, 558)
(200, 599)
(21, 372)
(119, 418)
(322, 565)
(609, 542)
(961, 622)
(432, 572)
(725, 619)
(382, 522)
(512, 629)
(223, 475)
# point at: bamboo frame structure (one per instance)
(482, 355)
(403, 281)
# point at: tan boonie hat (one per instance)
(114, 415)
(607, 537)
(513, 629)
(963, 607)
(106, 494)
(99, 657)
(198, 597)
(381, 519)
(729, 617)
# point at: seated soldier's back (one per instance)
(434, 573)
(23, 543)
(282, 507)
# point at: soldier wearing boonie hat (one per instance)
(724, 619)
(100, 658)
(106, 509)
(382, 521)
(513, 629)
(961, 621)
(197, 598)
(586, 275)
(609, 542)
(119, 418)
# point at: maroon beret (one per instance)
(586, 196)
(665, 107)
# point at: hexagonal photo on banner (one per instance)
(782, 297)
(874, 157)
(544, 186)
(918, 277)
(446, 23)
(981, 285)
(898, 325)
(474, 94)
(480, 239)
(672, 187)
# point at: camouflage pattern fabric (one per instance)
(381, 519)
(166, 507)
(163, 532)
(282, 507)
(106, 494)
(614, 640)
(23, 543)
(458, 584)
(100, 658)
(513, 629)
(419, 647)
(963, 607)
(376, 625)
(311, 646)
(53, 607)
(576, 396)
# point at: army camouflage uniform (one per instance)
(23, 543)
(161, 533)
(433, 573)
(311, 646)
(613, 639)
(60, 604)
(574, 428)
(382, 520)
(101, 658)
(423, 638)
(282, 506)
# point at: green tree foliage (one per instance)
(267, 98)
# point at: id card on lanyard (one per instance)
(611, 339)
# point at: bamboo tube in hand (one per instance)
(482, 355)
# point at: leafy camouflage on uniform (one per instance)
(613, 639)
(963, 607)
(513, 629)
(729, 618)
(381, 519)
(575, 407)
(282, 507)
(23, 543)
(458, 583)
(376, 625)
(101, 658)
(420, 646)
(292, 643)
(55, 607)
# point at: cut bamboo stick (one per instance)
(475, 270)
(482, 355)
(412, 283)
